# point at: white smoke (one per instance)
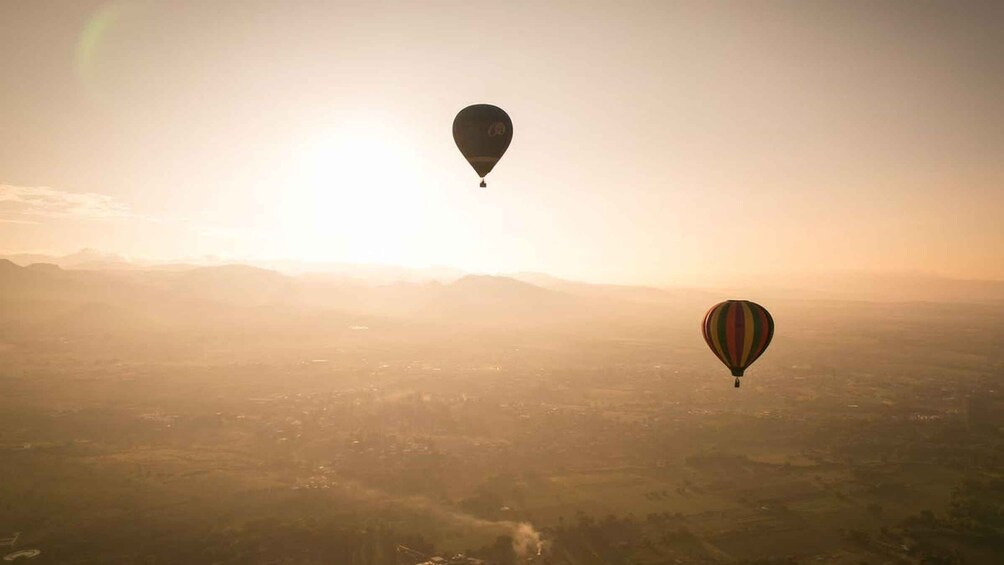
(526, 540)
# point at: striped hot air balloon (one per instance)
(738, 332)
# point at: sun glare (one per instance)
(352, 195)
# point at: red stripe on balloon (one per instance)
(740, 321)
(765, 334)
(730, 333)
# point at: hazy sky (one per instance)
(653, 142)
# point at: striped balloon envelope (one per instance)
(738, 332)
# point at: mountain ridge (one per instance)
(839, 285)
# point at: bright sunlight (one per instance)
(352, 194)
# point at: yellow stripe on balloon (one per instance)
(750, 325)
(714, 331)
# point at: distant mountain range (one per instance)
(90, 259)
(441, 291)
(43, 290)
(873, 287)
(241, 303)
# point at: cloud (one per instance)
(27, 202)
(105, 215)
(6, 221)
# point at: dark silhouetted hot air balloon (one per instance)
(738, 332)
(482, 133)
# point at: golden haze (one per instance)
(654, 142)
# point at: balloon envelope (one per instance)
(738, 332)
(482, 133)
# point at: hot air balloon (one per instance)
(482, 133)
(738, 332)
